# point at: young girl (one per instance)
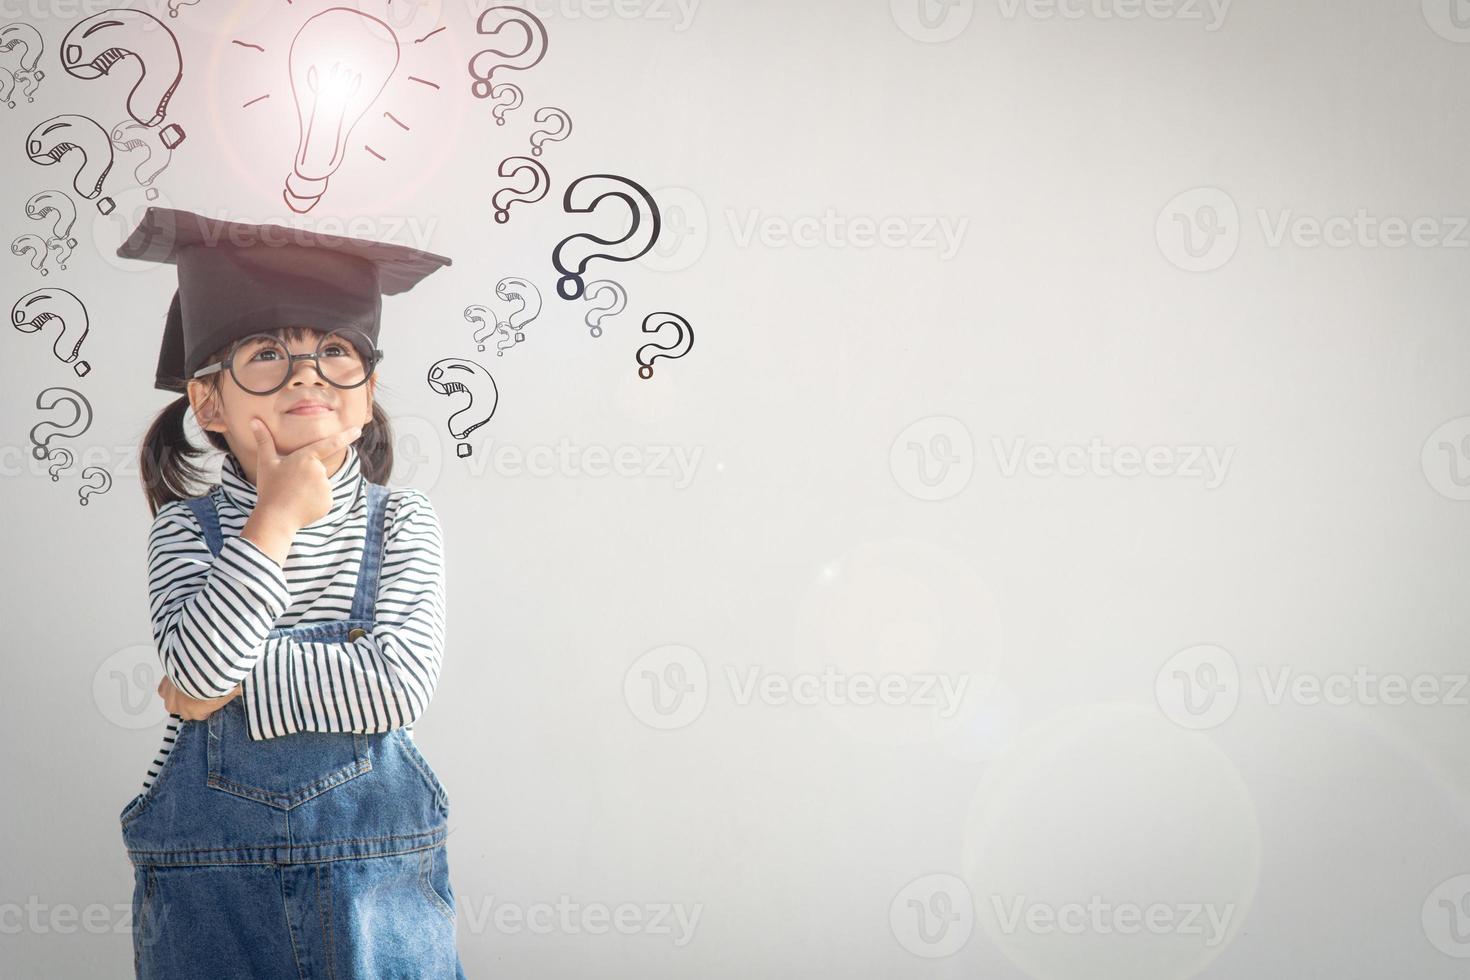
(289, 827)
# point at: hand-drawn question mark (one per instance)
(46, 430)
(507, 97)
(102, 487)
(174, 5)
(597, 314)
(36, 245)
(95, 45)
(639, 202)
(484, 317)
(491, 23)
(38, 308)
(506, 196)
(61, 136)
(121, 141)
(512, 288)
(450, 375)
(57, 203)
(28, 83)
(7, 87)
(59, 251)
(562, 130)
(682, 345)
(63, 458)
(29, 40)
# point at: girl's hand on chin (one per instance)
(295, 489)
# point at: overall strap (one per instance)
(365, 598)
(204, 512)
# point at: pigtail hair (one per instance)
(375, 447)
(166, 460)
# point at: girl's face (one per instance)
(305, 409)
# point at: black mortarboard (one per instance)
(236, 279)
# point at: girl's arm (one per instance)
(210, 615)
(380, 681)
(211, 618)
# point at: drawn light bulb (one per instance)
(341, 60)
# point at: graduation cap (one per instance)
(236, 279)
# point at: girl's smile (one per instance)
(310, 406)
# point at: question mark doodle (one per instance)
(482, 315)
(60, 136)
(48, 399)
(597, 314)
(7, 87)
(57, 203)
(103, 487)
(63, 458)
(34, 244)
(96, 44)
(39, 307)
(570, 285)
(60, 251)
(507, 97)
(121, 141)
(454, 374)
(491, 22)
(513, 287)
(174, 5)
(681, 346)
(562, 131)
(506, 196)
(31, 45)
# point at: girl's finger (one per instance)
(265, 444)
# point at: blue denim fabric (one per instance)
(309, 855)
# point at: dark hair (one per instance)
(167, 460)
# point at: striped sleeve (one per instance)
(378, 682)
(210, 615)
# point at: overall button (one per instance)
(356, 633)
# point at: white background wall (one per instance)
(1079, 776)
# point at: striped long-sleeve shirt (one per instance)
(211, 615)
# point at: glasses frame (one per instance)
(228, 363)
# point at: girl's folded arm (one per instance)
(210, 616)
(378, 682)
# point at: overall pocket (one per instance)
(284, 771)
(434, 879)
(424, 769)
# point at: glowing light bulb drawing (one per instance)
(340, 60)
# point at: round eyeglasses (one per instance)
(262, 364)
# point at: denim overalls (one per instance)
(309, 855)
